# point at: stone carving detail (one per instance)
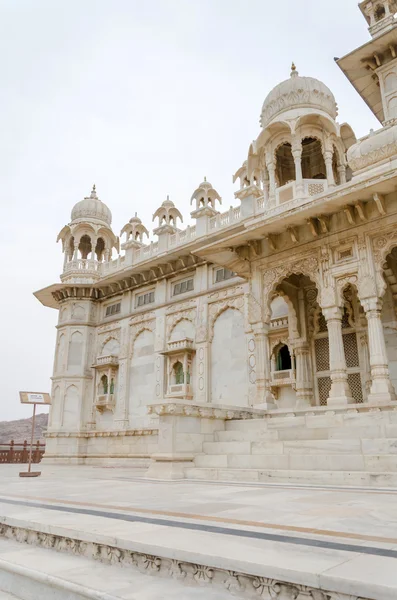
(229, 293)
(272, 277)
(252, 360)
(188, 314)
(216, 308)
(382, 246)
(366, 160)
(205, 412)
(342, 283)
(192, 574)
(139, 324)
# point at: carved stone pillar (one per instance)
(304, 381)
(297, 154)
(342, 173)
(264, 396)
(76, 251)
(265, 182)
(381, 386)
(93, 246)
(272, 180)
(340, 391)
(328, 154)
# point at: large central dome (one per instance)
(297, 93)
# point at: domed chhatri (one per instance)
(205, 195)
(167, 214)
(298, 93)
(91, 207)
(135, 232)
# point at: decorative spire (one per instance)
(205, 179)
(294, 72)
(93, 192)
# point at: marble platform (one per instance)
(108, 530)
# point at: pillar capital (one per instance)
(332, 313)
(372, 306)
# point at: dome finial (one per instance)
(294, 72)
(205, 178)
(93, 192)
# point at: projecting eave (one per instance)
(362, 76)
(227, 250)
(46, 297)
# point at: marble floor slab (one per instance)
(310, 535)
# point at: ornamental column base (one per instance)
(381, 387)
(304, 398)
(340, 393)
(169, 466)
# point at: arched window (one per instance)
(71, 248)
(285, 165)
(283, 359)
(85, 246)
(178, 373)
(313, 165)
(104, 384)
(380, 12)
(100, 247)
(112, 386)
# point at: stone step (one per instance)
(320, 420)
(227, 447)
(312, 433)
(250, 435)
(342, 478)
(329, 446)
(304, 462)
(33, 573)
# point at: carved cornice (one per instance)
(98, 434)
(180, 409)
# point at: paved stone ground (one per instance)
(302, 534)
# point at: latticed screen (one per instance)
(356, 388)
(321, 349)
(322, 323)
(324, 387)
(351, 350)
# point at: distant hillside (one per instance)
(21, 430)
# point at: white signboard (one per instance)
(34, 398)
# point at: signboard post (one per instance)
(33, 398)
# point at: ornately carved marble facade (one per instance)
(286, 300)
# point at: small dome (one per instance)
(298, 92)
(91, 208)
(135, 220)
(168, 203)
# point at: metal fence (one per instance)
(19, 453)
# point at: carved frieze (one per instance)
(246, 585)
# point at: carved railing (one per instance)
(109, 359)
(19, 453)
(279, 322)
(105, 402)
(185, 344)
(282, 378)
(225, 219)
(183, 237)
(311, 187)
(82, 264)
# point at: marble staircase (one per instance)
(354, 447)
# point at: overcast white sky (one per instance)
(144, 99)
